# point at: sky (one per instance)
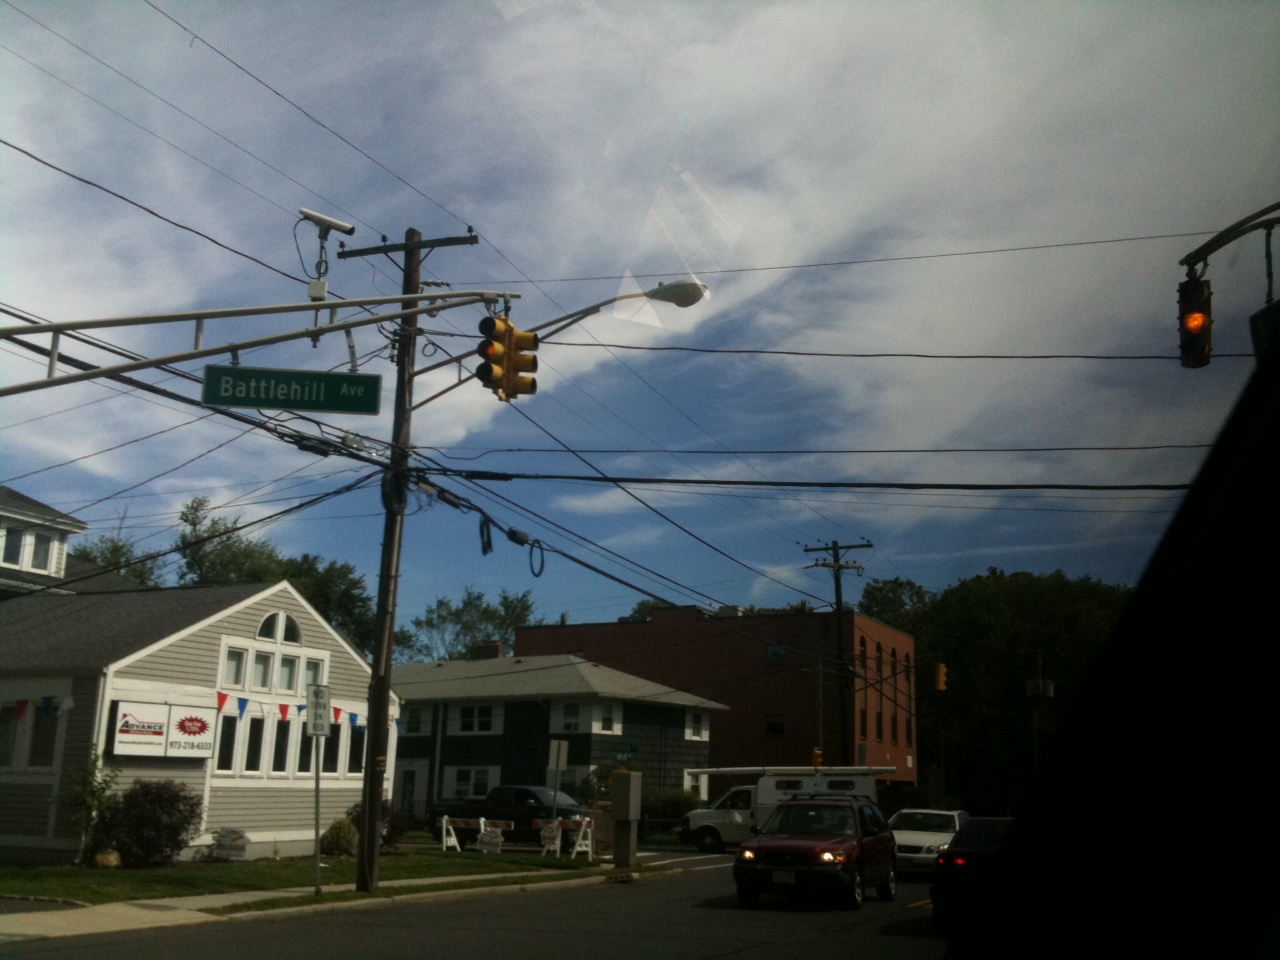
(873, 193)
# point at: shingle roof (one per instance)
(59, 633)
(515, 678)
(20, 505)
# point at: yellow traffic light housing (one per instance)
(493, 350)
(940, 681)
(520, 360)
(817, 756)
(1195, 322)
(507, 354)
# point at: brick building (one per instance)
(779, 674)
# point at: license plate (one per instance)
(784, 876)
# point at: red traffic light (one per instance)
(1195, 322)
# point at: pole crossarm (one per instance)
(437, 302)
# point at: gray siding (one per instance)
(193, 660)
(266, 809)
(76, 749)
(189, 772)
(24, 808)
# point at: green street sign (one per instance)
(268, 389)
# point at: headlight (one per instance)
(747, 854)
(930, 850)
(833, 856)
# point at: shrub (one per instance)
(340, 839)
(151, 822)
(93, 797)
(394, 825)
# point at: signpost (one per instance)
(318, 728)
(264, 388)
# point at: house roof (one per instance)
(517, 678)
(22, 507)
(81, 576)
(77, 633)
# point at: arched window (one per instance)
(280, 626)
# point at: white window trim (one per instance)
(597, 719)
(27, 548)
(706, 726)
(697, 783)
(453, 727)
(279, 650)
(427, 714)
(270, 714)
(449, 780)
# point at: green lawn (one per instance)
(189, 879)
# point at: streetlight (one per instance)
(682, 293)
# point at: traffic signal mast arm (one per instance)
(1195, 314)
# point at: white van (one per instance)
(729, 820)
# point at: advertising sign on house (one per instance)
(163, 730)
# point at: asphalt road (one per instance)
(687, 916)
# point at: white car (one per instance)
(921, 833)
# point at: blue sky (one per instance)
(833, 171)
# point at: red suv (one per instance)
(810, 845)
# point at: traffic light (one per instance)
(817, 756)
(940, 681)
(507, 354)
(520, 360)
(492, 350)
(1195, 322)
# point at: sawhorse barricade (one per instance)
(488, 837)
(550, 831)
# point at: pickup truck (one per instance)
(519, 805)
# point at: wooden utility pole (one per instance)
(844, 680)
(395, 496)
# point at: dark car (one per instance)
(969, 875)
(819, 846)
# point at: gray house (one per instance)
(469, 725)
(203, 685)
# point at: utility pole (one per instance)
(395, 496)
(844, 682)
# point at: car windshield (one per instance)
(982, 833)
(558, 798)
(924, 821)
(817, 819)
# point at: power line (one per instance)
(184, 113)
(441, 451)
(850, 263)
(800, 484)
(840, 355)
(145, 209)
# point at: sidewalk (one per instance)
(47, 920)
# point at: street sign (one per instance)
(559, 756)
(264, 388)
(318, 715)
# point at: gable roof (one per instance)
(77, 633)
(516, 678)
(21, 507)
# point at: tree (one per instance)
(213, 554)
(116, 553)
(897, 603)
(449, 631)
(993, 632)
(338, 594)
